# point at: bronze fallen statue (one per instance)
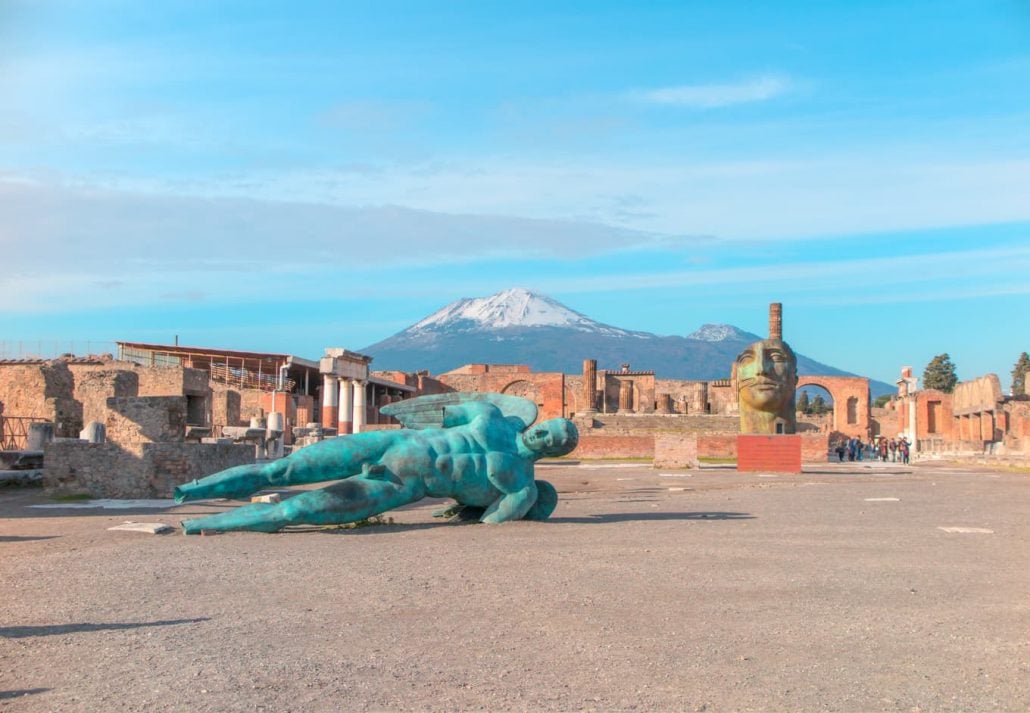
(478, 449)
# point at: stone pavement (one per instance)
(850, 587)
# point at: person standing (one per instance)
(893, 446)
(903, 448)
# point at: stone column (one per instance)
(626, 396)
(329, 402)
(359, 406)
(589, 385)
(346, 421)
(776, 321)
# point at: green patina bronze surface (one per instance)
(766, 377)
(478, 449)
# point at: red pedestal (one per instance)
(772, 454)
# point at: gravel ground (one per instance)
(835, 590)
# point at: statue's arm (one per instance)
(514, 478)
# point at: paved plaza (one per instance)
(852, 587)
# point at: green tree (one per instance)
(803, 405)
(881, 401)
(940, 374)
(1019, 372)
(819, 406)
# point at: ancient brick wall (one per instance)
(137, 470)
(642, 424)
(716, 445)
(777, 454)
(146, 419)
(225, 407)
(814, 446)
(545, 389)
(604, 446)
(850, 396)
(675, 450)
(250, 405)
(934, 417)
(93, 387)
(42, 390)
(172, 381)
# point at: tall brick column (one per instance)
(590, 385)
(776, 321)
(346, 422)
(329, 402)
(626, 396)
(359, 406)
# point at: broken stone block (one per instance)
(39, 435)
(267, 498)
(94, 432)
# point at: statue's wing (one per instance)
(428, 411)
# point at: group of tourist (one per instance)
(897, 448)
(853, 448)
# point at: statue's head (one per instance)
(766, 376)
(555, 437)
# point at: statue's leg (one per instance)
(546, 502)
(348, 501)
(327, 460)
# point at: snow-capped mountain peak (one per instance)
(717, 333)
(515, 307)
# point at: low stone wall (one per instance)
(591, 447)
(685, 450)
(136, 470)
(675, 450)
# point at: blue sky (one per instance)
(285, 177)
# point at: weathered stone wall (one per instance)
(146, 419)
(850, 396)
(93, 387)
(605, 446)
(675, 450)
(250, 405)
(172, 381)
(545, 389)
(42, 390)
(225, 407)
(137, 470)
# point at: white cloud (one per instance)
(711, 96)
(103, 247)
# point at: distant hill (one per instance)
(517, 326)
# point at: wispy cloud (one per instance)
(712, 96)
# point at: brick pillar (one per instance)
(329, 402)
(359, 406)
(346, 422)
(776, 321)
(589, 385)
(626, 396)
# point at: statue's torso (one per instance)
(458, 459)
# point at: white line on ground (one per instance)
(108, 504)
(883, 500)
(968, 530)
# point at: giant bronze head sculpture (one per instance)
(765, 374)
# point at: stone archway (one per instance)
(525, 389)
(850, 396)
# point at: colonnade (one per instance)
(344, 403)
